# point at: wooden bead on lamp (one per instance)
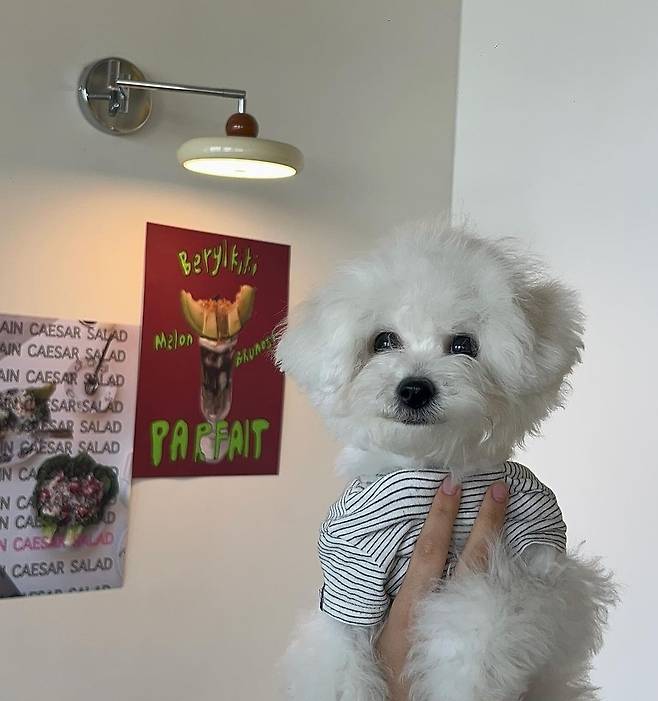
(242, 124)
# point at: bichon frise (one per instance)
(436, 355)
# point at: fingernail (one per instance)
(499, 492)
(449, 487)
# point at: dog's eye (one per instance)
(386, 340)
(462, 344)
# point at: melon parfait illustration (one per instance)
(217, 322)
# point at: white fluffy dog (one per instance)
(437, 354)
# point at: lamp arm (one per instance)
(239, 95)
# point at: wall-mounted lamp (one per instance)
(114, 96)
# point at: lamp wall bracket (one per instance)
(114, 95)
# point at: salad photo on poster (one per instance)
(67, 416)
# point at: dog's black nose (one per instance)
(416, 392)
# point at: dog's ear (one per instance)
(318, 346)
(553, 314)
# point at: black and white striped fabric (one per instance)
(369, 535)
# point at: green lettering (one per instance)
(160, 341)
(206, 255)
(247, 259)
(202, 430)
(182, 258)
(257, 427)
(221, 435)
(217, 255)
(179, 438)
(196, 263)
(236, 444)
(159, 429)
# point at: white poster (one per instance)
(67, 414)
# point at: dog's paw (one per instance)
(474, 641)
(329, 661)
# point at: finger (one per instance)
(488, 525)
(433, 544)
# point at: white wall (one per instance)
(217, 568)
(557, 142)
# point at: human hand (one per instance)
(426, 567)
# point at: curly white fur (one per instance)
(328, 661)
(526, 626)
(510, 632)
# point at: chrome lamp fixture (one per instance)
(114, 96)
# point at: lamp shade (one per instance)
(240, 157)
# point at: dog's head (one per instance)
(439, 347)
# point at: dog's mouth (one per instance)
(412, 419)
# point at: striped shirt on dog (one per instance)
(369, 535)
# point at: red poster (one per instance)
(209, 398)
